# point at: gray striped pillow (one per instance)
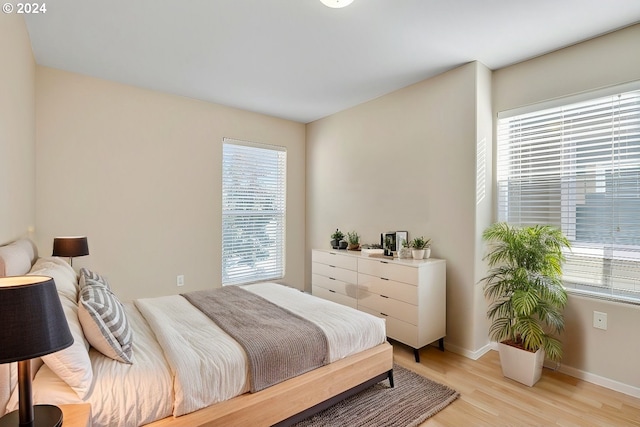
(104, 323)
(88, 277)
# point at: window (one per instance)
(577, 167)
(253, 212)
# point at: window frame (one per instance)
(239, 264)
(611, 256)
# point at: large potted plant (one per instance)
(524, 287)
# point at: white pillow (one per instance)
(72, 364)
(61, 272)
(104, 322)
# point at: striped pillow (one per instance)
(104, 323)
(88, 277)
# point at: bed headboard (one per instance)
(15, 259)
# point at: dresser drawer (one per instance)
(387, 270)
(344, 288)
(335, 259)
(337, 273)
(390, 288)
(397, 329)
(389, 306)
(334, 296)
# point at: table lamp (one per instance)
(70, 247)
(33, 324)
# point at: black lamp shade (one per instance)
(70, 246)
(32, 319)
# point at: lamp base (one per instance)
(43, 416)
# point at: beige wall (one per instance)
(406, 161)
(139, 172)
(609, 357)
(17, 129)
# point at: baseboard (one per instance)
(473, 355)
(601, 381)
(568, 370)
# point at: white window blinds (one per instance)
(253, 212)
(577, 167)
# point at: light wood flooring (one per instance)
(489, 399)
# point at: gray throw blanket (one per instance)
(280, 344)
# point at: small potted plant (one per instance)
(524, 286)
(336, 238)
(405, 250)
(353, 240)
(418, 246)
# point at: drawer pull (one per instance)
(331, 290)
(383, 278)
(385, 262)
(384, 296)
(331, 278)
(384, 314)
(332, 266)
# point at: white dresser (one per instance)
(334, 276)
(409, 294)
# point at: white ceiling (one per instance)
(298, 59)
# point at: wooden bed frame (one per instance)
(303, 395)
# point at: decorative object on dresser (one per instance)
(405, 250)
(409, 294)
(336, 240)
(73, 246)
(527, 296)
(353, 240)
(33, 325)
(419, 247)
(391, 240)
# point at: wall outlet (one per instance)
(180, 280)
(600, 320)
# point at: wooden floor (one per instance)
(489, 399)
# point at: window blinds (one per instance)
(253, 212)
(577, 167)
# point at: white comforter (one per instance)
(183, 361)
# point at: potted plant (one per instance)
(353, 239)
(405, 250)
(418, 245)
(526, 295)
(336, 238)
(337, 241)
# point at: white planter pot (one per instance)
(521, 365)
(427, 253)
(417, 253)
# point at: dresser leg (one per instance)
(441, 344)
(390, 376)
(416, 354)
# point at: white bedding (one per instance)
(183, 361)
(121, 394)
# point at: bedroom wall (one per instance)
(17, 129)
(407, 161)
(606, 357)
(139, 172)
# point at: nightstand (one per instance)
(76, 415)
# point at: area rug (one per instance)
(413, 399)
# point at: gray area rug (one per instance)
(413, 399)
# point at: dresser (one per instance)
(409, 294)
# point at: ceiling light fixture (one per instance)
(336, 3)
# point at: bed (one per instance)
(182, 369)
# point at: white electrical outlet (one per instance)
(180, 280)
(600, 320)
